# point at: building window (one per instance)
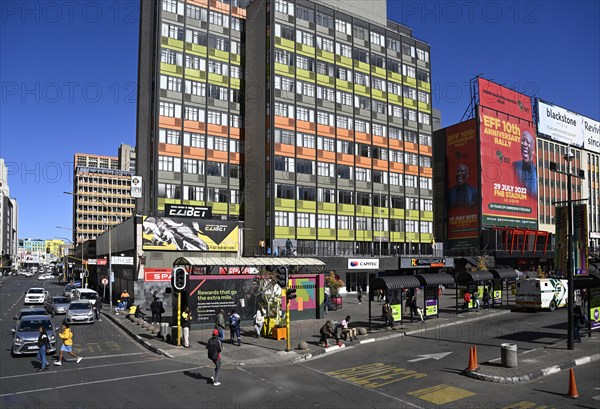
(284, 164)
(378, 39)
(343, 27)
(169, 136)
(326, 221)
(345, 223)
(194, 140)
(325, 44)
(326, 195)
(196, 37)
(422, 55)
(304, 166)
(169, 109)
(326, 144)
(172, 31)
(307, 193)
(325, 169)
(284, 191)
(195, 88)
(324, 20)
(363, 174)
(169, 164)
(284, 219)
(190, 166)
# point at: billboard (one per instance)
(591, 134)
(580, 236)
(561, 251)
(185, 234)
(462, 175)
(509, 178)
(559, 124)
(502, 99)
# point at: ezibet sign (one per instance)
(199, 212)
(363, 264)
(426, 262)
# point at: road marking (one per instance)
(441, 394)
(437, 357)
(375, 375)
(524, 404)
(596, 397)
(101, 381)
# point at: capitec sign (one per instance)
(363, 264)
(199, 212)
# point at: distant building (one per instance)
(127, 157)
(8, 223)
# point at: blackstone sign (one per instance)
(363, 264)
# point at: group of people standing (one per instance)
(474, 298)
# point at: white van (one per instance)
(542, 293)
(84, 294)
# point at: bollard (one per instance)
(508, 355)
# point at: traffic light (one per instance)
(291, 294)
(179, 279)
(282, 276)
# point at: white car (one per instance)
(36, 296)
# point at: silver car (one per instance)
(80, 312)
(27, 332)
(57, 305)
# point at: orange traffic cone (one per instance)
(475, 357)
(572, 386)
(472, 365)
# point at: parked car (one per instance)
(36, 296)
(80, 312)
(70, 287)
(57, 304)
(27, 332)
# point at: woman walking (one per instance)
(43, 344)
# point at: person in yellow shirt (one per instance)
(67, 337)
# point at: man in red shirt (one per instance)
(467, 300)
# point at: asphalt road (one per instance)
(397, 373)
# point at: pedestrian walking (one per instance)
(359, 294)
(259, 321)
(157, 309)
(261, 247)
(98, 309)
(466, 300)
(579, 322)
(220, 324)
(234, 327)
(43, 346)
(414, 308)
(326, 302)
(475, 299)
(486, 298)
(215, 347)
(186, 318)
(67, 344)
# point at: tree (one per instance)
(265, 284)
(334, 283)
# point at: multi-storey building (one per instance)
(127, 157)
(8, 223)
(101, 195)
(334, 148)
(55, 247)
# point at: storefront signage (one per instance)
(559, 124)
(136, 187)
(198, 212)
(157, 274)
(426, 262)
(363, 264)
(128, 261)
(101, 262)
(92, 262)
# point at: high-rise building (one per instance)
(8, 223)
(127, 157)
(310, 121)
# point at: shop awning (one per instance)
(504, 273)
(220, 261)
(394, 282)
(474, 276)
(435, 279)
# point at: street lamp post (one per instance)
(569, 156)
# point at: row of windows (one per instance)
(192, 113)
(201, 89)
(347, 28)
(194, 62)
(325, 68)
(329, 221)
(104, 181)
(288, 137)
(200, 193)
(202, 14)
(194, 166)
(196, 140)
(202, 38)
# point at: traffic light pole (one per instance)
(288, 341)
(178, 318)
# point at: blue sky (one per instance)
(68, 73)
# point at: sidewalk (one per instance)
(532, 364)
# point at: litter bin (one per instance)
(508, 355)
(164, 330)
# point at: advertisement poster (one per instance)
(502, 99)
(562, 246)
(594, 315)
(396, 311)
(559, 124)
(463, 185)
(509, 177)
(580, 237)
(209, 294)
(591, 134)
(184, 234)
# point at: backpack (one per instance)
(233, 320)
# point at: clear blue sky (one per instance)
(69, 70)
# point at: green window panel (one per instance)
(305, 74)
(282, 232)
(325, 234)
(236, 59)
(346, 235)
(218, 55)
(306, 233)
(426, 237)
(364, 235)
(172, 43)
(285, 205)
(412, 214)
(397, 214)
(171, 69)
(395, 98)
(234, 209)
(395, 76)
(235, 83)
(284, 43)
(362, 66)
(427, 216)
(412, 237)
(378, 234)
(397, 237)
(380, 95)
(343, 85)
(364, 210)
(362, 90)
(344, 61)
(345, 209)
(218, 79)
(381, 211)
(326, 208)
(424, 86)
(378, 71)
(284, 70)
(304, 49)
(307, 206)
(410, 103)
(325, 80)
(325, 56)
(193, 202)
(162, 201)
(195, 74)
(424, 107)
(219, 208)
(410, 81)
(196, 49)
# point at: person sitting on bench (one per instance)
(348, 333)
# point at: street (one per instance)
(418, 371)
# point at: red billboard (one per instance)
(509, 178)
(463, 185)
(502, 99)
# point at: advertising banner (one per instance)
(561, 250)
(509, 177)
(502, 99)
(594, 312)
(580, 236)
(157, 274)
(591, 134)
(136, 187)
(463, 185)
(559, 124)
(184, 234)
(431, 304)
(396, 311)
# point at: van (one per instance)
(541, 293)
(85, 294)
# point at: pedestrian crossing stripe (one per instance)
(375, 375)
(441, 394)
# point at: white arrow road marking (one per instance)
(437, 357)
(598, 396)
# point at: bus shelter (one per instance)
(472, 281)
(392, 287)
(590, 286)
(503, 276)
(431, 294)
